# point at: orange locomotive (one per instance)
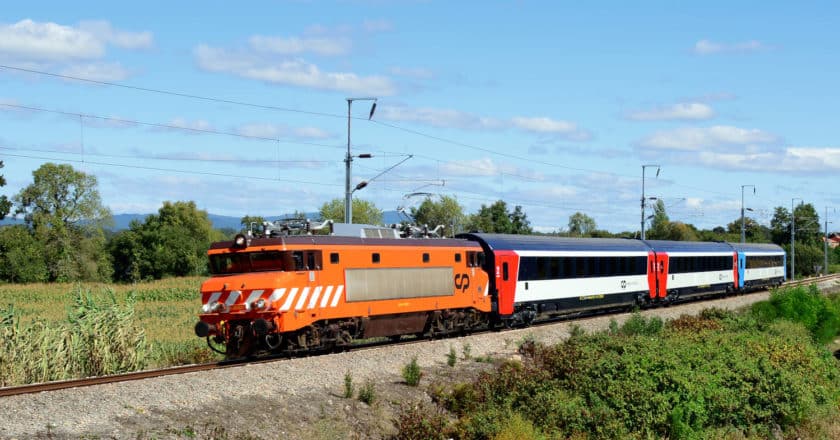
(310, 292)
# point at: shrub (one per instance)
(367, 392)
(605, 386)
(421, 422)
(411, 373)
(466, 350)
(637, 325)
(805, 305)
(451, 357)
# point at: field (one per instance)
(165, 310)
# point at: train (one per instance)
(276, 292)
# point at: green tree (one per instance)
(581, 224)
(5, 204)
(660, 224)
(364, 212)
(445, 212)
(807, 225)
(21, 256)
(247, 220)
(496, 218)
(63, 209)
(173, 242)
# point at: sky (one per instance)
(555, 106)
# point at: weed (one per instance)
(466, 351)
(411, 373)
(367, 392)
(349, 389)
(451, 357)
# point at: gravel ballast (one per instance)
(296, 398)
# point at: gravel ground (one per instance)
(298, 398)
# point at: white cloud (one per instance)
(707, 47)
(687, 111)
(377, 25)
(296, 46)
(449, 118)
(714, 137)
(33, 41)
(97, 71)
(544, 125)
(275, 131)
(103, 30)
(444, 118)
(412, 72)
(292, 72)
(312, 133)
(260, 130)
(198, 124)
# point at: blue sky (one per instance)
(554, 106)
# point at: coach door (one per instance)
(506, 268)
(661, 274)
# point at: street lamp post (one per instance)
(743, 221)
(643, 193)
(348, 160)
(793, 240)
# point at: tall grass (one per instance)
(98, 337)
(165, 310)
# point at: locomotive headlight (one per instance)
(240, 241)
(259, 304)
(218, 307)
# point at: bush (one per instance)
(422, 422)
(411, 373)
(367, 393)
(805, 305)
(712, 376)
(451, 357)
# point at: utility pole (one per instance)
(825, 242)
(643, 194)
(743, 222)
(348, 160)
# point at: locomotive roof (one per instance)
(331, 240)
(550, 243)
(757, 247)
(688, 246)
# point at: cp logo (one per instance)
(462, 281)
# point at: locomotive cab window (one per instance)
(265, 261)
(425, 257)
(374, 257)
(334, 257)
(457, 257)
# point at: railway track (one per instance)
(184, 369)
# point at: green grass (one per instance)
(163, 311)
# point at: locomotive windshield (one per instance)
(242, 262)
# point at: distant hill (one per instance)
(122, 221)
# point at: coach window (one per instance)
(457, 257)
(374, 257)
(425, 257)
(505, 273)
(334, 257)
